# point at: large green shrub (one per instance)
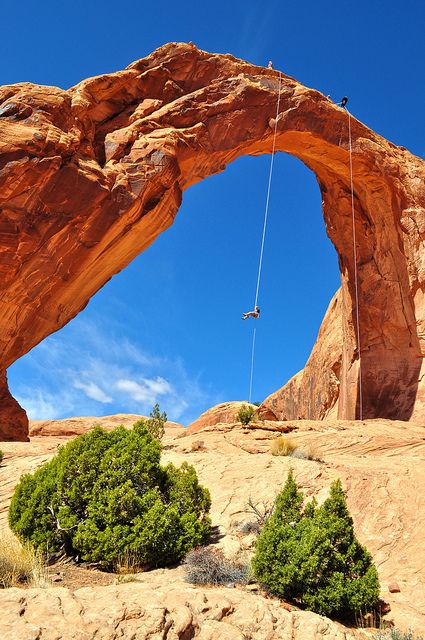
(105, 497)
(310, 555)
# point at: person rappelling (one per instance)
(252, 314)
(343, 101)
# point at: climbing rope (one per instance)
(356, 284)
(266, 215)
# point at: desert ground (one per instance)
(380, 462)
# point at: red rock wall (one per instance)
(13, 419)
(90, 176)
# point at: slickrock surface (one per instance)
(90, 176)
(155, 610)
(380, 462)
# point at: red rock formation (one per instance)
(313, 393)
(90, 176)
(69, 427)
(13, 419)
(226, 412)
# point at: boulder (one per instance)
(226, 413)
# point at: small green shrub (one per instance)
(125, 578)
(1, 456)
(310, 555)
(245, 414)
(210, 566)
(105, 497)
(395, 634)
(155, 424)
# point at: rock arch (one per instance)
(90, 176)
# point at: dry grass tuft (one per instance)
(282, 446)
(204, 565)
(128, 564)
(20, 564)
(197, 445)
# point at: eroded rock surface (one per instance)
(90, 176)
(154, 611)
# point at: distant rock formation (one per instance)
(77, 426)
(89, 177)
(226, 412)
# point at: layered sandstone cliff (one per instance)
(90, 176)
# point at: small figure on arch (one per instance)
(252, 314)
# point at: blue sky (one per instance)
(168, 328)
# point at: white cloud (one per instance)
(83, 368)
(93, 391)
(158, 386)
(135, 390)
(147, 391)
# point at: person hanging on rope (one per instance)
(343, 101)
(252, 314)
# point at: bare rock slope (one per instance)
(91, 175)
(381, 464)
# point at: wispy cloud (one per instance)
(89, 369)
(93, 391)
(145, 391)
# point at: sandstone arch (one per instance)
(90, 176)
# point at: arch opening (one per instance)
(182, 300)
